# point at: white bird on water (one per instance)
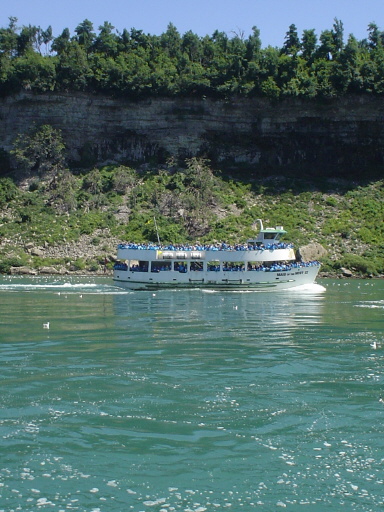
(46, 326)
(374, 345)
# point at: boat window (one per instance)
(180, 266)
(233, 266)
(196, 266)
(160, 266)
(255, 265)
(120, 265)
(138, 266)
(213, 266)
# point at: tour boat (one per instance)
(265, 262)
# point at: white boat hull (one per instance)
(238, 280)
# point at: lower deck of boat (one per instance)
(274, 282)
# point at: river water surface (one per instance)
(189, 400)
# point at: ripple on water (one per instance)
(191, 401)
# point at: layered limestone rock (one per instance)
(343, 136)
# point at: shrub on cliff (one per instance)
(8, 191)
(40, 152)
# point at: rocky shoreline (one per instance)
(59, 271)
(68, 255)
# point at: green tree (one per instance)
(8, 38)
(323, 69)
(338, 35)
(136, 79)
(270, 89)
(193, 78)
(8, 80)
(124, 179)
(63, 191)
(8, 191)
(220, 40)
(85, 35)
(164, 76)
(138, 39)
(40, 152)
(327, 48)
(35, 72)
(236, 55)
(95, 185)
(106, 42)
(192, 46)
(300, 81)
(270, 62)
(378, 59)
(193, 195)
(60, 44)
(27, 40)
(374, 35)
(73, 68)
(46, 37)
(291, 44)
(349, 74)
(368, 71)
(253, 45)
(171, 41)
(93, 182)
(106, 74)
(287, 69)
(309, 44)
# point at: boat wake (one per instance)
(306, 288)
(371, 304)
(61, 287)
(311, 288)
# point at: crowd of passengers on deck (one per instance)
(274, 267)
(207, 247)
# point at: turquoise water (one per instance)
(189, 400)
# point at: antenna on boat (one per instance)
(157, 231)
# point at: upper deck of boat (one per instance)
(267, 246)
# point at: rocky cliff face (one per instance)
(342, 137)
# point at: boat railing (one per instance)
(211, 247)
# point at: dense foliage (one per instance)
(135, 64)
(118, 203)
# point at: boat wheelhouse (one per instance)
(265, 262)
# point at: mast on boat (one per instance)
(157, 231)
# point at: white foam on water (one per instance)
(311, 288)
(371, 305)
(68, 288)
(46, 286)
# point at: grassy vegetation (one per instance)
(116, 203)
